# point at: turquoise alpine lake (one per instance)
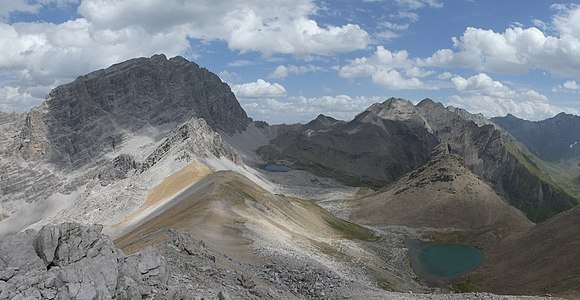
(277, 168)
(442, 261)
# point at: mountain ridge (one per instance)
(153, 144)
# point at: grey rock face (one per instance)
(118, 169)
(70, 261)
(111, 125)
(478, 119)
(193, 137)
(487, 153)
(80, 120)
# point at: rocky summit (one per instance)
(97, 112)
(194, 200)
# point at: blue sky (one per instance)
(290, 60)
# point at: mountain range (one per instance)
(160, 152)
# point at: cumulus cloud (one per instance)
(10, 6)
(393, 70)
(571, 85)
(10, 95)
(445, 75)
(283, 71)
(265, 26)
(517, 49)
(258, 89)
(482, 94)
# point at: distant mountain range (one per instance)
(553, 139)
(160, 152)
(392, 138)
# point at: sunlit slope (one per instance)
(228, 211)
(442, 194)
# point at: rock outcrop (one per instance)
(194, 137)
(70, 261)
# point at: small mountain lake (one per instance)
(434, 261)
(277, 168)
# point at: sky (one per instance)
(289, 60)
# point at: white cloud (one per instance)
(9, 6)
(445, 75)
(393, 26)
(482, 94)
(540, 24)
(240, 63)
(258, 89)
(10, 95)
(567, 21)
(229, 77)
(571, 85)
(518, 50)
(416, 4)
(385, 68)
(269, 27)
(25, 6)
(283, 71)
(305, 109)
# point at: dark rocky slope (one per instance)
(552, 139)
(368, 150)
(542, 260)
(394, 137)
(500, 162)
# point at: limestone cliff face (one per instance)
(96, 112)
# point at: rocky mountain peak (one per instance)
(478, 119)
(321, 121)
(395, 109)
(99, 110)
(428, 103)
